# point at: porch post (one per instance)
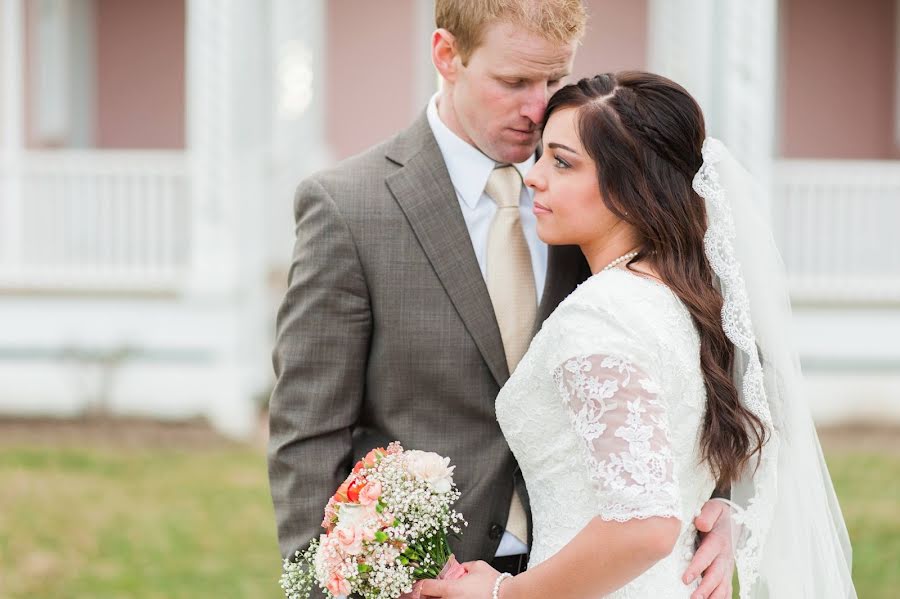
(748, 75)
(12, 133)
(226, 141)
(724, 53)
(298, 114)
(680, 38)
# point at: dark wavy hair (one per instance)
(645, 134)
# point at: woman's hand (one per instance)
(478, 583)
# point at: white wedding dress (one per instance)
(604, 414)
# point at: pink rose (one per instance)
(370, 493)
(338, 585)
(373, 457)
(348, 540)
(330, 515)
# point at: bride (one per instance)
(666, 375)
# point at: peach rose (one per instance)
(369, 494)
(348, 539)
(338, 585)
(340, 495)
(330, 514)
(373, 456)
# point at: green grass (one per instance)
(108, 523)
(868, 487)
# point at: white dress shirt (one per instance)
(469, 170)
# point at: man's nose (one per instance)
(536, 104)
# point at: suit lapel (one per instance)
(424, 191)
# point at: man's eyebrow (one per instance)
(533, 76)
(554, 146)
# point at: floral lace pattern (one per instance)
(603, 416)
(753, 520)
(625, 429)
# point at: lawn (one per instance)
(104, 521)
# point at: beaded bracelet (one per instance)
(498, 582)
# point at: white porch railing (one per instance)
(121, 221)
(838, 227)
(97, 221)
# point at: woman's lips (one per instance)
(540, 209)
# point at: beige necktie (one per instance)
(510, 283)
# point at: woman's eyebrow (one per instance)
(554, 146)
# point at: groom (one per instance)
(417, 281)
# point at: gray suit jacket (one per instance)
(387, 332)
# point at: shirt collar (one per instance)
(469, 168)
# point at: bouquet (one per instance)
(386, 528)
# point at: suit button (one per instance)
(495, 532)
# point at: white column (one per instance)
(681, 46)
(298, 113)
(12, 130)
(724, 53)
(226, 60)
(210, 124)
(748, 73)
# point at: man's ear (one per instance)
(444, 54)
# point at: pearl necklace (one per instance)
(620, 260)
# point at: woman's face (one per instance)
(567, 199)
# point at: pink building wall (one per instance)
(616, 38)
(839, 72)
(140, 74)
(372, 52)
(370, 70)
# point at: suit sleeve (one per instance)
(321, 351)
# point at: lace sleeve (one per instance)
(617, 411)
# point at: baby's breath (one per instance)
(410, 524)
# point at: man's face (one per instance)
(501, 94)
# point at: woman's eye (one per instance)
(559, 162)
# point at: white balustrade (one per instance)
(837, 224)
(98, 221)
